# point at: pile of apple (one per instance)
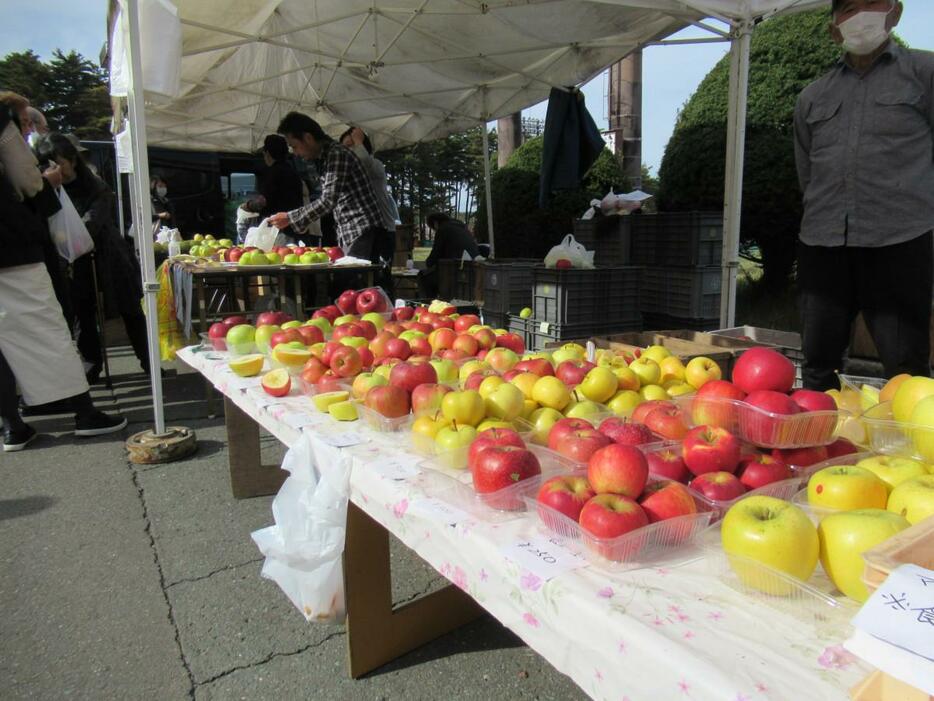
(614, 497)
(498, 459)
(279, 255)
(206, 246)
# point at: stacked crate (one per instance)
(608, 237)
(507, 288)
(681, 252)
(457, 279)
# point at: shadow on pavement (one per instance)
(14, 508)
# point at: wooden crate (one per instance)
(914, 546)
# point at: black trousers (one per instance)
(890, 285)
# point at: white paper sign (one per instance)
(343, 440)
(543, 556)
(243, 382)
(298, 420)
(438, 510)
(393, 469)
(901, 611)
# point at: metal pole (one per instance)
(486, 185)
(733, 187)
(119, 182)
(142, 206)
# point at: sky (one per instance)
(670, 73)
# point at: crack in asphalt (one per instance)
(271, 656)
(225, 568)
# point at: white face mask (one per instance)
(162, 191)
(864, 32)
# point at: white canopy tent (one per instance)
(408, 71)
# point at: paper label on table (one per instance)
(343, 440)
(543, 556)
(298, 419)
(393, 469)
(901, 611)
(438, 510)
(243, 382)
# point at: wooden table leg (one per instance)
(248, 476)
(377, 633)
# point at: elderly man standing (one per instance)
(345, 188)
(864, 147)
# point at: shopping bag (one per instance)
(170, 335)
(572, 251)
(263, 236)
(68, 231)
(304, 549)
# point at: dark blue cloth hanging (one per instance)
(572, 143)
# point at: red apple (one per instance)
(710, 449)
(618, 469)
(500, 467)
(670, 423)
(562, 427)
(346, 330)
(492, 438)
(334, 253)
(267, 319)
(310, 335)
(347, 302)
(463, 323)
(536, 366)
(566, 494)
(608, 516)
(643, 409)
(485, 338)
(466, 344)
(452, 354)
(759, 470)
(512, 341)
(366, 357)
(718, 486)
(626, 433)
(393, 327)
(580, 445)
(475, 378)
(442, 339)
(286, 336)
(397, 348)
(763, 369)
(663, 500)
(388, 400)
(328, 352)
(345, 362)
(714, 404)
(443, 323)
(378, 343)
(312, 370)
(369, 329)
(402, 313)
(801, 457)
(234, 320)
(668, 464)
(572, 373)
(761, 428)
(217, 332)
(420, 346)
(809, 400)
(408, 376)
(371, 300)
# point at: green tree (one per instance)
(24, 73)
(787, 53)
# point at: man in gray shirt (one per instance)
(864, 147)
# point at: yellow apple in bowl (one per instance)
(647, 370)
(893, 470)
(846, 487)
(845, 536)
(908, 395)
(913, 499)
(700, 371)
(922, 434)
(599, 384)
(623, 402)
(656, 353)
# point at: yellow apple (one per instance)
(469, 368)
(343, 411)
(650, 392)
(908, 394)
(922, 437)
(542, 420)
(646, 370)
(623, 402)
(656, 353)
(700, 371)
(887, 393)
(569, 351)
(672, 369)
(528, 406)
(846, 487)
(504, 402)
(551, 392)
(913, 499)
(489, 384)
(679, 389)
(247, 365)
(775, 533)
(891, 470)
(845, 536)
(465, 407)
(425, 428)
(487, 424)
(626, 378)
(383, 371)
(599, 384)
(584, 409)
(325, 399)
(525, 381)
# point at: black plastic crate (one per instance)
(497, 320)
(677, 238)
(507, 284)
(586, 296)
(457, 279)
(607, 237)
(667, 322)
(541, 333)
(692, 293)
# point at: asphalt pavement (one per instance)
(120, 581)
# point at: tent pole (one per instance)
(142, 206)
(486, 185)
(733, 187)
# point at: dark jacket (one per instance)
(281, 186)
(451, 240)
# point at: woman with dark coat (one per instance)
(118, 273)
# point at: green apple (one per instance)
(505, 402)
(325, 399)
(454, 437)
(322, 324)
(374, 318)
(263, 334)
(542, 419)
(383, 371)
(623, 402)
(273, 258)
(891, 470)
(846, 487)
(775, 533)
(345, 319)
(845, 536)
(353, 341)
(551, 392)
(923, 436)
(466, 407)
(569, 351)
(294, 324)
(321, 258)
(291, 259)
(240, 338)
(411, 335)
(307, 258)
(366, 381)
(445, 369)
(525, 313)
(584, 409)
(599, 384)
(647, 370)
(913, 499)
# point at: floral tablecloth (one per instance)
(662, 633)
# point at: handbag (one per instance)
(68, 231)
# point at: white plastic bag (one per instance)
(617, 204)
(263, 236)
(569, 249)
(304, 550)
(68, 231)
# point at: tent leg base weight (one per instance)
(149, 448)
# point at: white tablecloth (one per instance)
(654, 634)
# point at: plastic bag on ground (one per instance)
(304, 550)
(570, 250)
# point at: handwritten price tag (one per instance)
(393, 469)
(438, 510)
(298, 420)
(543, 556)
(343, 440)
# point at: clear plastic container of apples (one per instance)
(451, 448)
(890, 437)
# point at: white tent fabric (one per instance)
(414, 70)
